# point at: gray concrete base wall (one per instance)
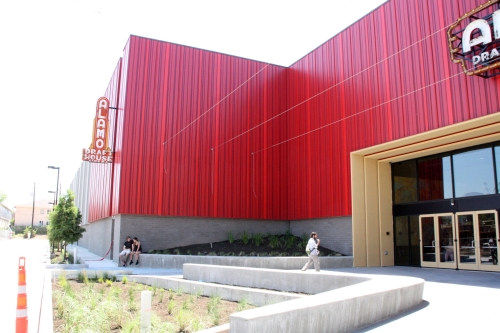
(288, 263)
(160, 232)
(335, 233)
(97, 236)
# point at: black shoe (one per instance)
(137, 262)
(124, 265)
(131, 262)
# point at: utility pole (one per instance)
(33, 211)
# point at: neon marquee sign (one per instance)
(99, 151)
(475, 42)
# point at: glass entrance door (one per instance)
(437, 243)
(488, 238)
(478, 236)
(467, 254)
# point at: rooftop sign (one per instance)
(474, 40)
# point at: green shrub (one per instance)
(124, 280)
(151, 252)
(245, 237)
(258, 239)
(274, 242)
(230, 237)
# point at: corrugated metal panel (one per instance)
(376, 83)
(194, 173)
(319, 176)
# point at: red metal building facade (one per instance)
(203, 134)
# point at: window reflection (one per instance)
(404, 181)
(434, 178)
(473, 171)
(497, 160)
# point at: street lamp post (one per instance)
(57, 185)
(53, 201)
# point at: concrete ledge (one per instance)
(356, 300)
(66, 266)
(294, 281)
(287, 263)
(72, 274)
(217, 329)
(257, 297)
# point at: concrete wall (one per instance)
(159, 232)
(271, 279)
(335, 233)
(97, 237)
(342, 302)
(290, 263)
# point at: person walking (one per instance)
(136, 250)
(312, 252)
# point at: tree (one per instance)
(3, 196)
(65, 222)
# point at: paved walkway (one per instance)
(94, 261)
(454, 301)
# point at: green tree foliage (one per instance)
(3, 196)
(65, 221)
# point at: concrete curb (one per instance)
(355, 301)
(286, 263)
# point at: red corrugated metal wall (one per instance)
(170, 167)
(386, 77)
(368, 105)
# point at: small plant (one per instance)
(304, 239)
(197, 325)
(252, 254)
(171, 294)
(245, 238)
(151, 252)
(242, 254)
(189, 252)
(258, 239)
(183, 318)
(185, 305)
(153, 288)
(160, 295)
(109, 283)
(179, 291)
(221, 254)
(242, 304)
(274, 242)
(177, 251)
(289, 240)
(212, 254)
(170, 306)
(83, 277)
(105, 276)
(124, 280)
(274, 254)
(230, 237)
(263, 254)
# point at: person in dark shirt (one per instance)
(136, 250)
(127, 248)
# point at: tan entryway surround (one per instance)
(372, 220)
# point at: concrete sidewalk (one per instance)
(454, 301)
(96, 262)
